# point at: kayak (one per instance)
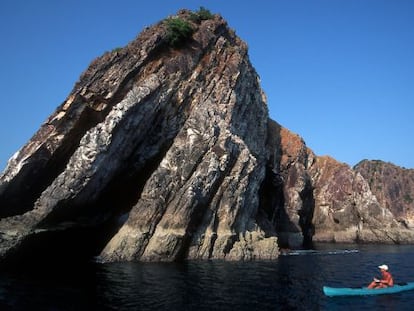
(361, 291)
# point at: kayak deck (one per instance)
(362, 291)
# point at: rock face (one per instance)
(162, 149)
(393, 186)
(165, 152)
(321, 200)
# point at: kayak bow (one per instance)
(348, 291)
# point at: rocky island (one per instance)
(164, 151)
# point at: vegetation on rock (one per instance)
(178, 31)
(200, 15)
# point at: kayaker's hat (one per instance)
(383, 267)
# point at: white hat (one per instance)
(383, 267)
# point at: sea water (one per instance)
(292, 282)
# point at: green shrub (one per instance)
(204, 14)
(117, 49)
(201, 15)
(178, 31)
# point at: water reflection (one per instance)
(289, 283)
(200, 286)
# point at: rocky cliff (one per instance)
(164, 151)
(393, 186)
(319, 199)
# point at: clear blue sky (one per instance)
(340, 73)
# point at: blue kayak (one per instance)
(361, 291)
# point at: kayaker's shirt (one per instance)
(387, 278)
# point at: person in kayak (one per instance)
(386, 280)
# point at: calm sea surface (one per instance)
(293, 282)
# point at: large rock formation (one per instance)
(160, 148)
(164, 151)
